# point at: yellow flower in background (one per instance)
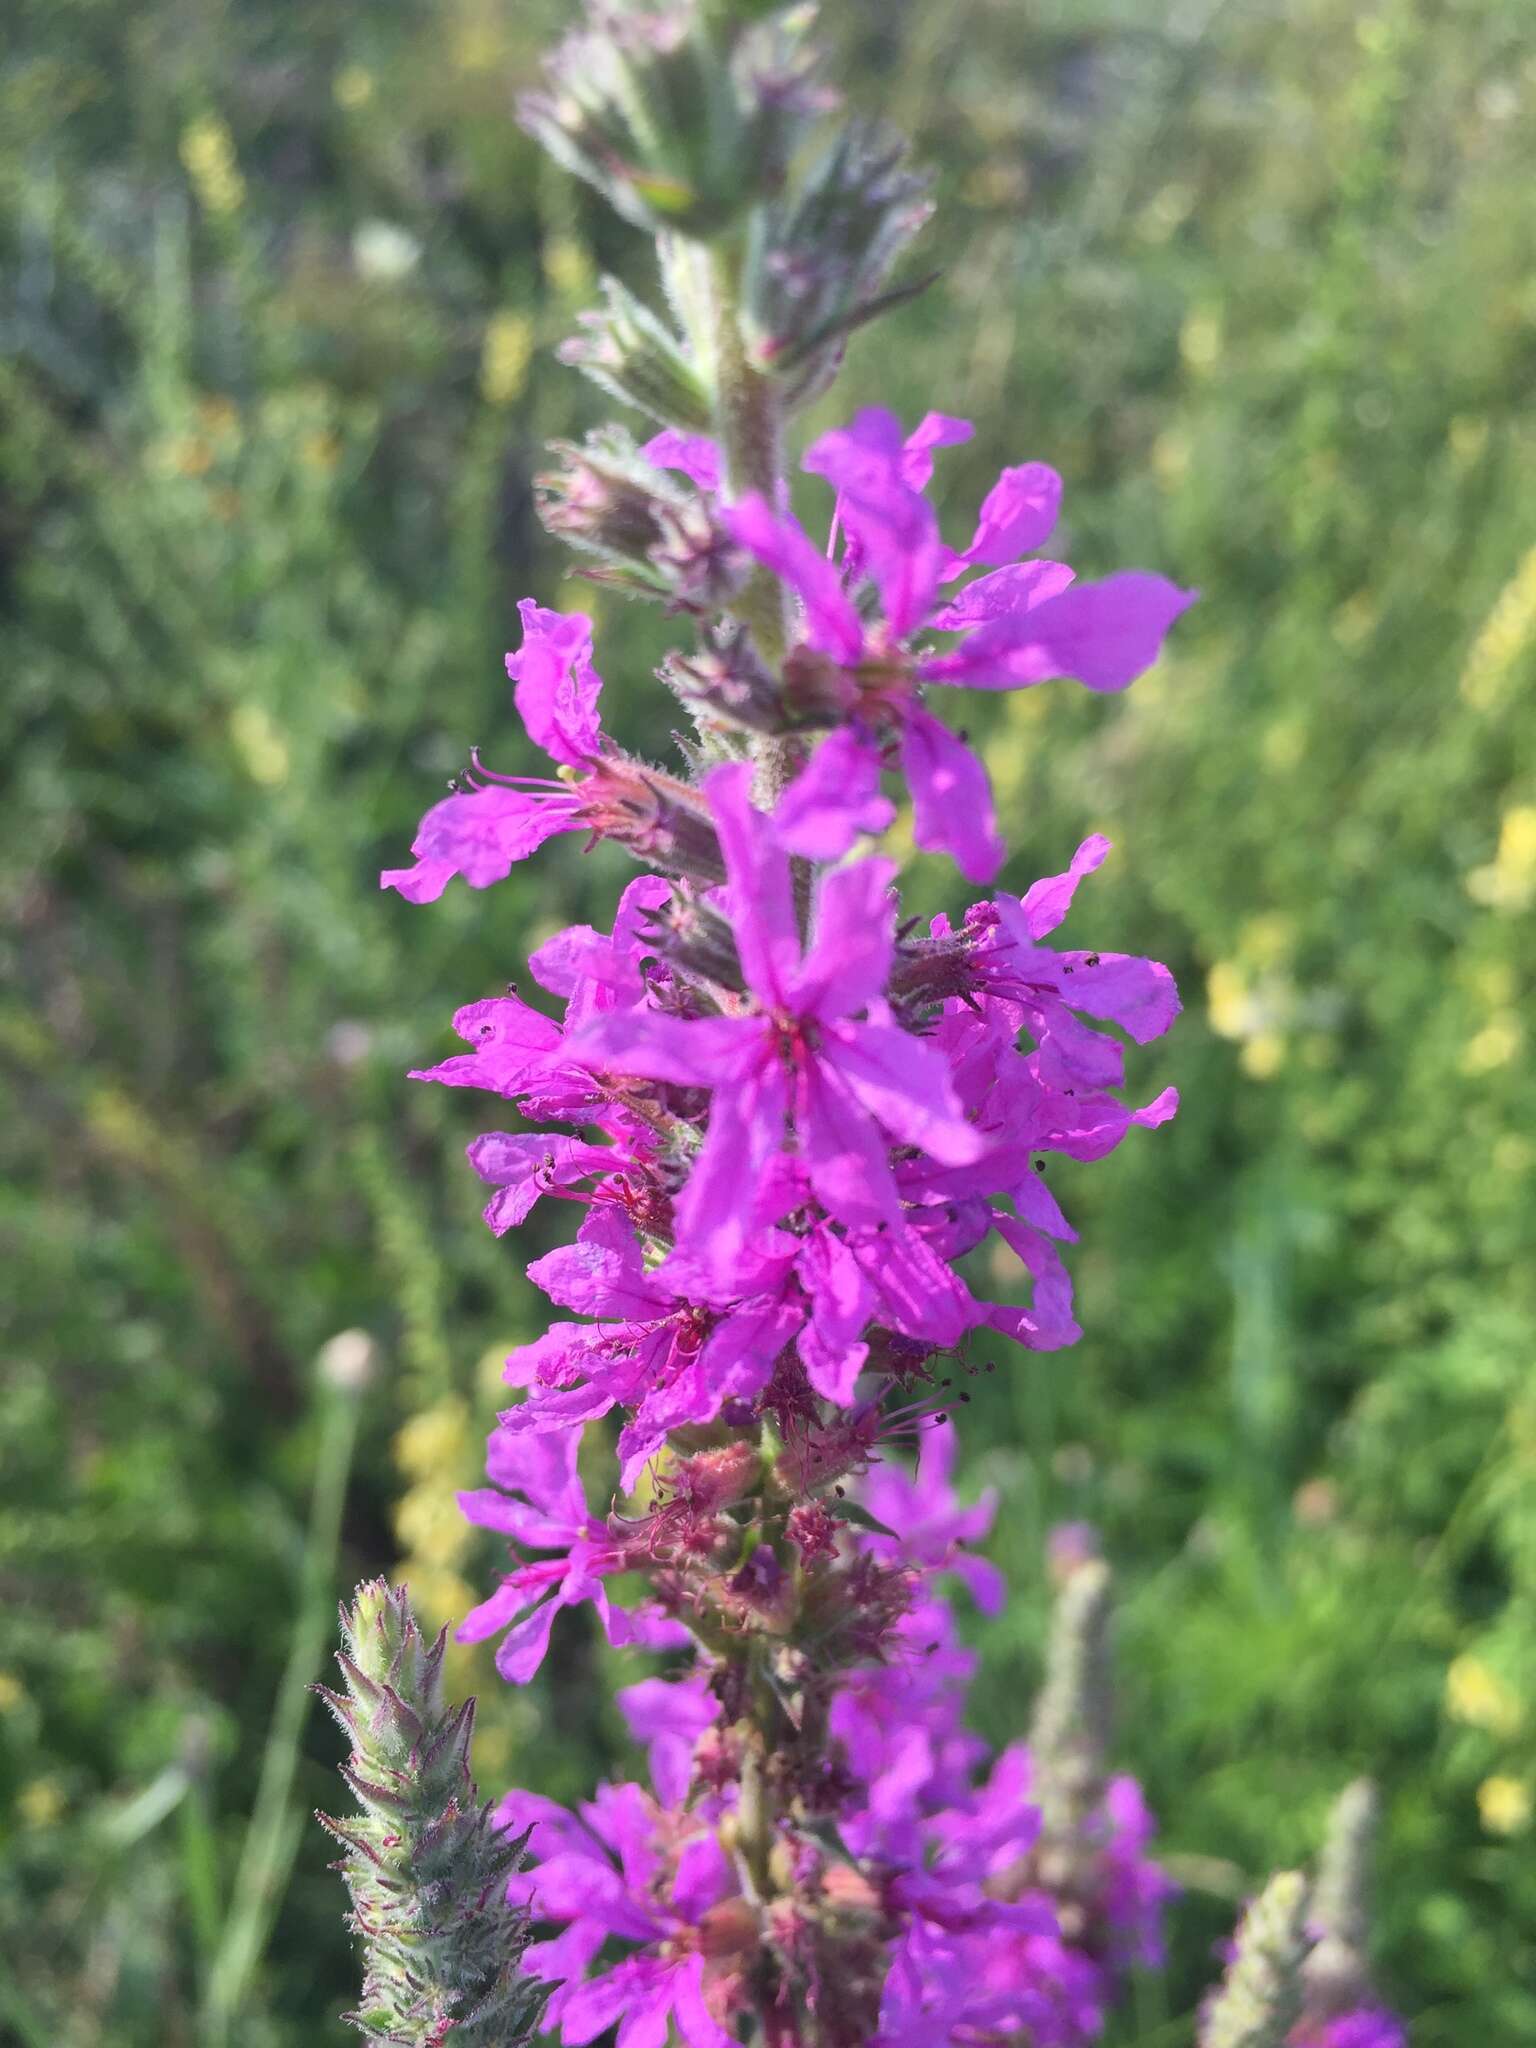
(429, 1524)
(1475, 1693)
(432, 1445)
(567, 264)
(1504, 1805)
(1508, 881)
(12, 1691)
(1495, 1045)
(208, 152)
(1508, 631)
(1263, 1055)
(41, 1803)
(352, 87)
(1226, 999)
(505, 356)
(1467, 437)
(261, 746)
(1200, 341)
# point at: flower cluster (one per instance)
(903, 1893)
(787, 1117)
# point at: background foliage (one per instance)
(280, 291)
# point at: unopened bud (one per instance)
(635, 357)
(426, 1869)
(1259, 1999)
(654, 537)
(724, 682)
(697, 940)
(1069, 1739)
(827, 248)
(679, 129)
(1338, 1969)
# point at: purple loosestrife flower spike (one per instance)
(427, 1870)
(784, 1116)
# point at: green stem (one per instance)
(272, 1839)
(748, 427)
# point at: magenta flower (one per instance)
(801, 1056)
(668, 1360)
(1025, 623)
(1367, 2026)
(669, 1717)
(538, 1501)
(482, 831)
(931, 1528)
(619, 1872)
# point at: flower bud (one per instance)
(824, 253)
(635, 357)
(678, 128)
(1069, 1739)
(725, 682)
(1338, 1973)
(1259, 1999)
(426, 1870)
(348, 1362)
(653, 537)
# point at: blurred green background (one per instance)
(279, 292)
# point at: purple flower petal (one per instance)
(896, 530)
(1046, 903)
(480, 834)
(1016, 589)
(527, 1165)
(704, 1878)
(933, 430)
(694, 454)
(905, 1083)
(692, 1052)
(782, 545)
(952, 809)
(843, 1148)
(852, 944)
(835, 798)
(694, 2020)
(715, 1212)
(758, 892)
(1104, 634)
(1017, 516)
(556, 687)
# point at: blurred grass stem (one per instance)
(272, 1839)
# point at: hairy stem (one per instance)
(748, 428)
